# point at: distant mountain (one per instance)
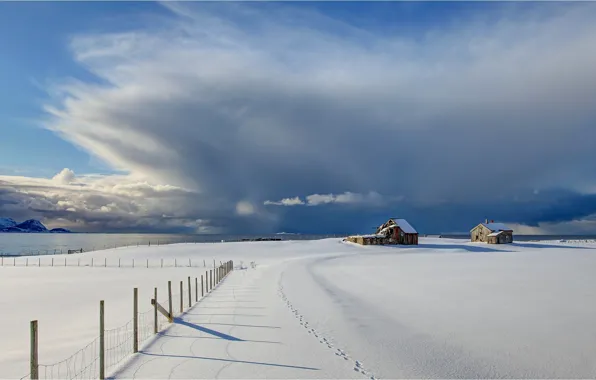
(32, 225)
(7, 222)
(59, 230)
(28, 226)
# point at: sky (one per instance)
(307, 117)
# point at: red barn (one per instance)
(398, 231)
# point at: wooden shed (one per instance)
(492, 233)
(367, 239)
(398, 231)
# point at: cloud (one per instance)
(245, 208)
(321, 199)
(244, 103)
(111, 203)
(66, 176)
(285, 202)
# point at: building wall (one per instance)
(480, 233)
(505, 238)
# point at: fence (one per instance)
(112, 262)
(103, 354)
(90, 248)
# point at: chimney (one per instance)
(492, 221)
(486, 221)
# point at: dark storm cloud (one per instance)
(243, 108)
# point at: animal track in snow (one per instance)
(358, 367)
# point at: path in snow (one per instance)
(243, 329)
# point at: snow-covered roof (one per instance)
(496, 227)
(405, 226)
(495, 233)
(368, 236)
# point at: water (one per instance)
(46, 244)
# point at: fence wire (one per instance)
(103, 262)
(83, 364)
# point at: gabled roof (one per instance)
(495, 227)
(404, 226)
(495, 233)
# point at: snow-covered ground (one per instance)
(326, 309)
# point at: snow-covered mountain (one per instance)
(7, 222)
(30, 225)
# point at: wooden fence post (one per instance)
(181, 296)
(92, 261)
(162, 263)
(105, 262)
(155, 312)
(196, 289)
(202, 288)
(170, 299)
(147, 263)
(135, 329)
(210, 279)
(34, 345)
(102, 351)
(189, 293)
(189, 263)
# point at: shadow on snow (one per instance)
(230, 361)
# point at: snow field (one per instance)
(327, 309)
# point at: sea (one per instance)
(17, 244)
(22, 244)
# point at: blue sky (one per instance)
(304, 117)
(35, 42)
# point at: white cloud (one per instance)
(99, 202)
(320, 199)
(65, 177)
(285, 202)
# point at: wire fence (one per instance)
(83, 364)
(105, 262)
(89, 248)
(119, 343)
